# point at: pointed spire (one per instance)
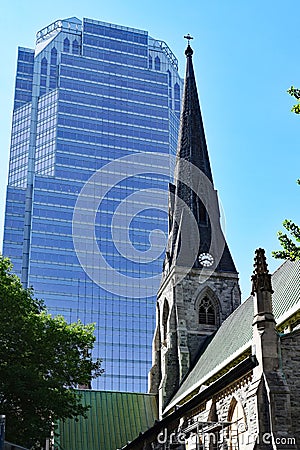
(192, 151)
(192, 142)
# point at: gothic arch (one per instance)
(75, 47)
(53, 57)
(213, 435)
(212, 415)
(66, 45)
(207, 307)
(157, 63)
(44, 65)
(177, 91)
(177, 97)
(158, 320)
(169, 78)
(165, 319)
(237, 433)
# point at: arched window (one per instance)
(207, 312)
(43, 77)
(66, 45)
(169, 78)
(238, 430)
(157, 63)
(150, 62)
(44, 66)
(75, 47)
(53, 60)
(213, 435)
(177, 98)
(165, 320)
(53, 69)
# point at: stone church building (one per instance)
(225, 374)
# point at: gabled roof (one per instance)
(234, 336)
(73, 20)
(113, 419)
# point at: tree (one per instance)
(42, 360)
(295, 93)
(290, 250)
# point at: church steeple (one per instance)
(193, 188)
(192, 143)
(199, 287)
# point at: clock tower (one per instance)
(199, 287)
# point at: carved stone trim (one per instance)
(261, 279)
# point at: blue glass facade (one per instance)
(90, 100)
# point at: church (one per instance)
(225, 374)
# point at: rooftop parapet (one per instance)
(155, 44)
(72, 24)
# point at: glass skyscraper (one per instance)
(96, 116)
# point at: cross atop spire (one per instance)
(188, 37)
(198, 267)
(189, 50)
(192, 151)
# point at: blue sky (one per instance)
(246, 56)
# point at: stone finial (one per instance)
(261, 279)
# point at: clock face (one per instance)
(206, 259)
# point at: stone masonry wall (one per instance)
(223, 402)
(223, 287)
(290, 354)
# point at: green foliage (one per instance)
(295, 93)
(289, 245)
(290, 250)
(42, 358)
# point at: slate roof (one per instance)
(194, 187)
(286, 286)
(113, 419)
(191, 141)
(235, 334)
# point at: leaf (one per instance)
(42, 360)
